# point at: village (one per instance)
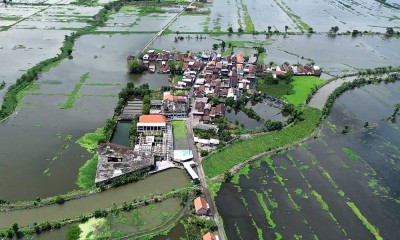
(200, 85)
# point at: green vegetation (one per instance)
(240, 151)
(298, 191)
(278, 236)
(276, 90)
(259, 230)
(321, 201)
(74, 95)
(372, 183)
(266, 210)
(368, 225)
(90, 141)
(214, 188)
(243, 171)
(51, 65)
(302, 87)
(74, 232)
(87, 174)
(351, 154)
(179, 129)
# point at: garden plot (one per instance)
(180, 135)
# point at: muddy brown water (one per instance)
(170, 179)
(378, 149)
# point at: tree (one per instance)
(177, 32)
(269, 29)
(60, 199)
(310, 30)
(230, 29)
(366, 124)
(288, 108)
(389, 31)
(223, 44)
(355, 33)
(134, 66)
(240, 30)
(286, 28)
(215, 46)
(334, 29)
(15, 228)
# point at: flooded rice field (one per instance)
(135, 19)
(324, 187)
(49, 162)
(177, 178)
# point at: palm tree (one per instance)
(286, 28)
(269, 28)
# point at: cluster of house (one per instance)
(285, 68)
(203, 209)
(171, 106)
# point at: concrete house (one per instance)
(151, 124)
(201, 206)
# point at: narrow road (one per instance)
(164, 28)
(202, 176)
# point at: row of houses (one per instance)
(171, 106)
(298, 70)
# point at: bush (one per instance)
(74, 232)
(134, 66)
(60, 199)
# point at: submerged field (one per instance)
(336, 187)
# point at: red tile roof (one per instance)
(200, 203)
(152, 119)
(209, 236)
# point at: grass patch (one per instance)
(214, 189)
(90, 141)
(302, 87)
(87, 174)
(351, 154)
(276, 90)
(180, 134)
(243, 171)
(298, 191)
(259, 230)
(241, 151)
(364, 220)
(51, 65)
(372, 183)
(266, 210)
(74, 95)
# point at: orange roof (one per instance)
(200, 203)
(152, 119)
(240, 57)
(168, 96)
(209, 236)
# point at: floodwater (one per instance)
(247, 122)
(335, 55)
(170, 179)
(321, 167)
(321, 96)
(40, 156)
(121, 133)
(176, 233)
(263, 110)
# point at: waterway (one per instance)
(155, 184)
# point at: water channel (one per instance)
(155, 184)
